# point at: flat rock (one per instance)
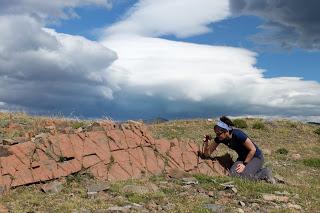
(295, 156)
(136, 189)
(53, 187)
(272, 197)
(214, 207)
(190, 181)
(97, 187)
(9, 142)
(294, 206)
(3, 208)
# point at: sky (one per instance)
(141, 59)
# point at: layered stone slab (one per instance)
(109, 151)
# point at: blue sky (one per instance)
(133, 59)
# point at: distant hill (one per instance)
(315, 123)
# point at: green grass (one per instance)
(312, 162)
(280, 137)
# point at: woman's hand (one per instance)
(207, 138)
(240, 167)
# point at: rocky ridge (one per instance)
(108, 150)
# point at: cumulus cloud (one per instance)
(47, 9)
(165, 17)
(288, 23)
(176, 78)
(42, 70)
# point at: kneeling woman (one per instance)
(250, 158)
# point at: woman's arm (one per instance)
(209, 148)
(252, 150)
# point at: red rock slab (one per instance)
(170, 164)
(78, 146)
(22, 177)
(54, 145)
(116, 172)
(204, 168)
(174, 143)
(220, 169)
(42, 173)
(10, 164)
(132, 139)
(175, 155)
(107, 125)
(65, 146)
(189, 160)
(151, 161)
(117, 136)
(163, 146)
(23, 151)
(138, 156)
(138, 170)
(161, 163)
(70, 166)
(193, 147)
(40, 156)
(100, 171)
(101, 141)
(137, 130)
(122, 158)
(6, 180)
(90, 160)
(89, 147)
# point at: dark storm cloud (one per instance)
(288, 23)
(44, 71)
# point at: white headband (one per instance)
(224, 125)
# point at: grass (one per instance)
(312, 162)
(282, 151)
(280, 137)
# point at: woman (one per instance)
(250, 158)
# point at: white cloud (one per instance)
(45, 70)
(183, 75)
(181, 18)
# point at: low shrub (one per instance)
(317, 131)
(77, 125)
(258, 125)
(240, 123)
(282, 151)
(4, 123)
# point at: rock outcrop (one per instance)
(109, 151)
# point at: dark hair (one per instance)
(225, 120)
